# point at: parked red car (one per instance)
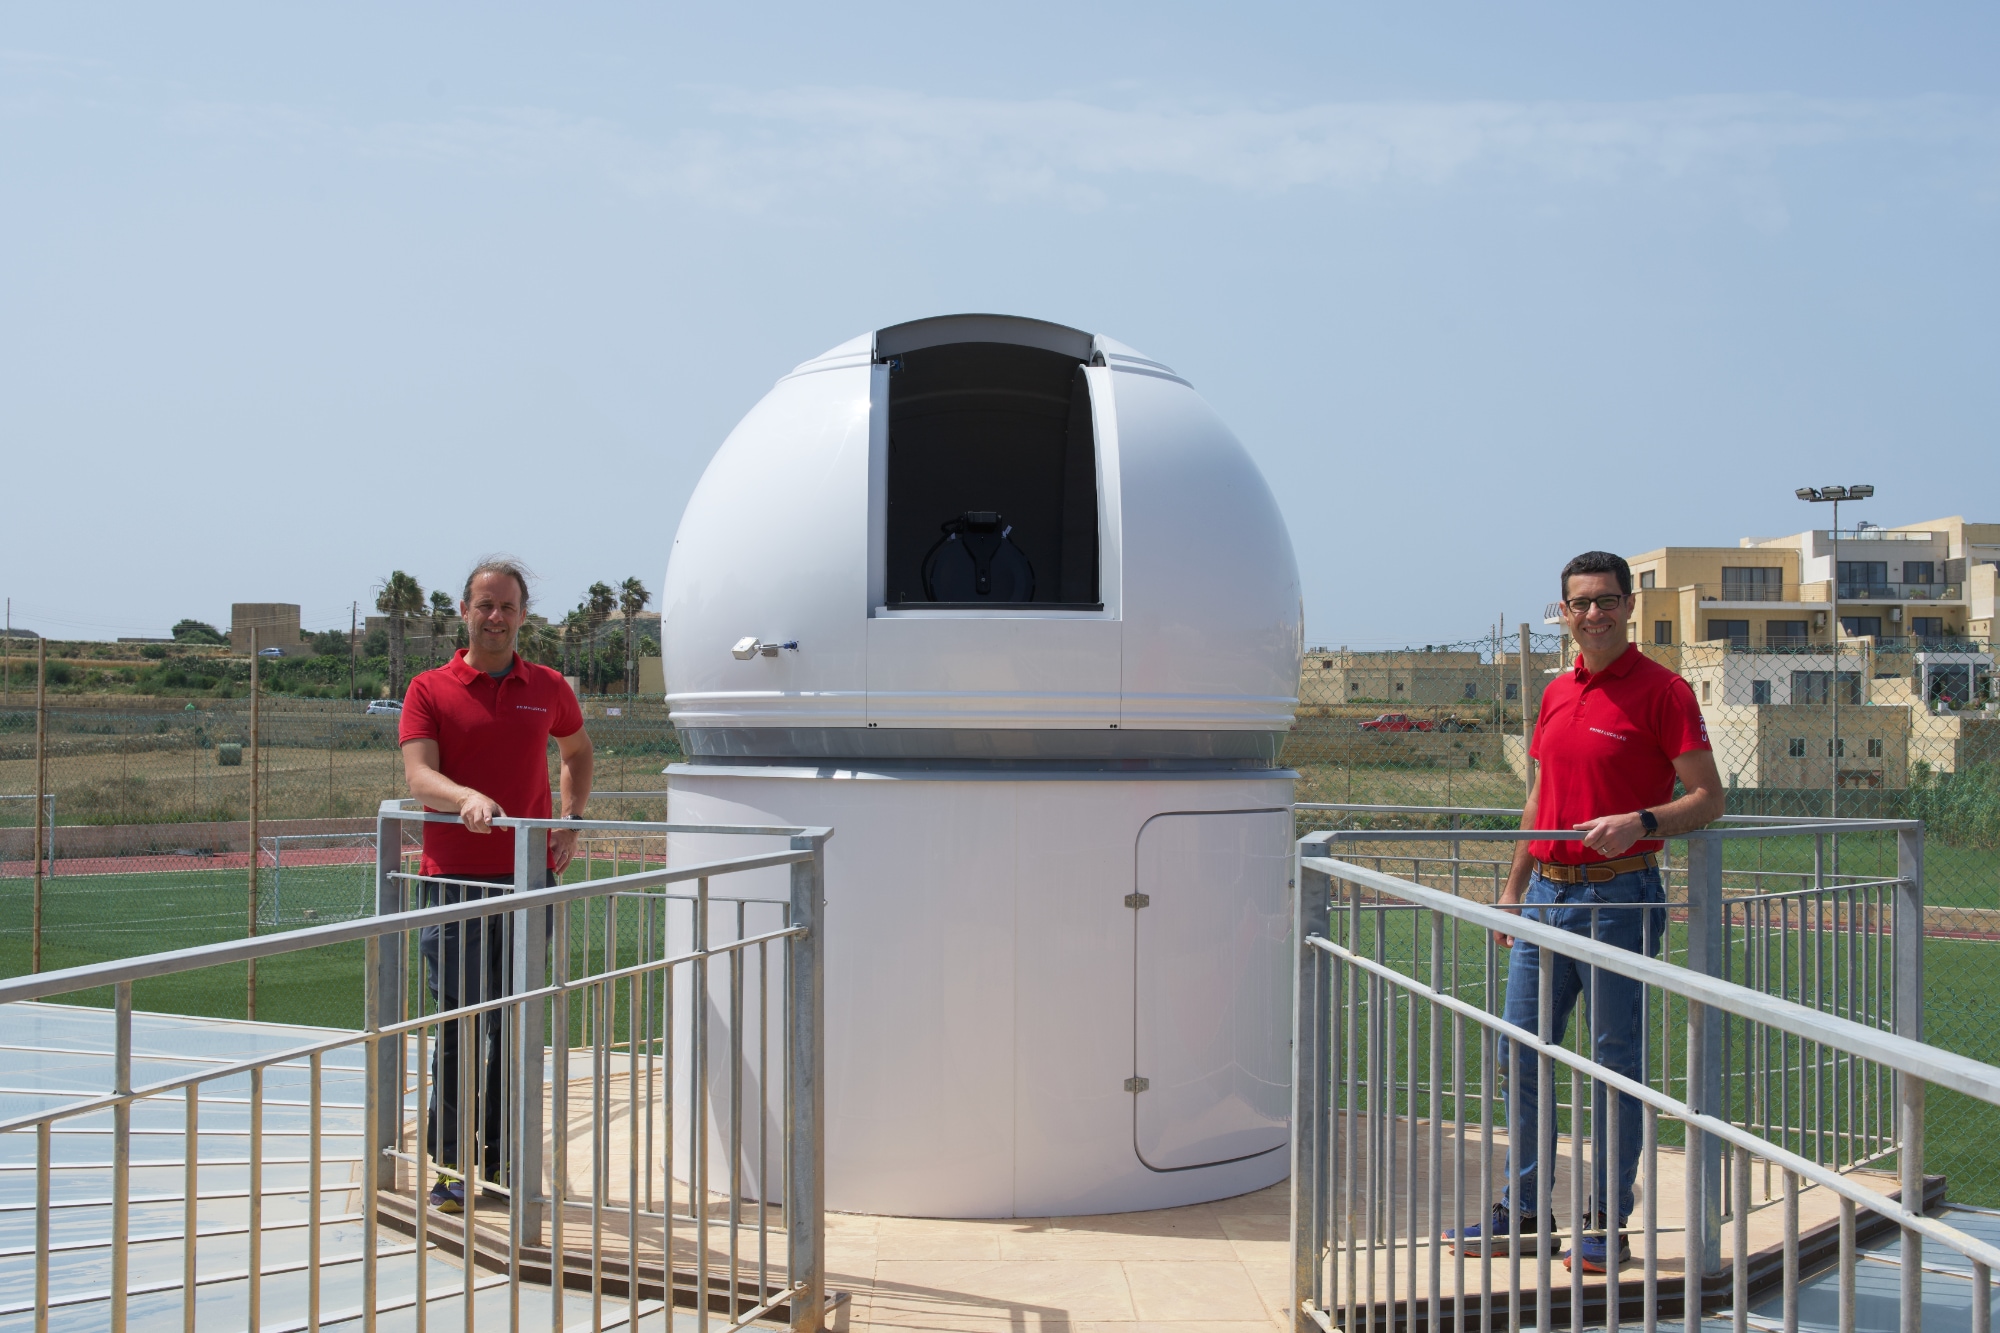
(1396, 722)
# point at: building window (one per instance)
(1927, 627)
(1814, 687)
(1760, 691)
(1861, 627)
(1785, 633)
(1704, 691)
(1736, 631)
(1663, 631)
(1399, 687)
(1796, 747)
(1837, 749)
(1354, 687)
(1326, 664)
(1471, 692)
(1646, 578)
(1513, 690)
(1875, 748)
(1920, 571)
(1863, 578)
(1753, 583)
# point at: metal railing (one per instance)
(643, 1128)
(1795, 1014)
(1883, 590)
(1731, 591)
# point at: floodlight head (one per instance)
(1860, 492)
(1806, 493)
(1833, 492)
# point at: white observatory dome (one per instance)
(1008, 608)
(1159, 618)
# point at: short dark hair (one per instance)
(1598, 562)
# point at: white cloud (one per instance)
(749, 151)
(760, 149)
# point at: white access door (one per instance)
(1213, 997)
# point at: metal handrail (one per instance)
(1359, 1085)
(1930, 1063)
(625, 1002)
(92, 975)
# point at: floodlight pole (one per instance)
(1833, 686)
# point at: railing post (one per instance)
(1909, 949)
(1909, 933)
(529, 972)
(1312, 900)
(805, 1136)
(386, 1002)
(1706, 1060)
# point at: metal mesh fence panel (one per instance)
(150, 802)
(151, 797)
(1892, 734)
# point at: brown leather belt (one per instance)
(1595, 873)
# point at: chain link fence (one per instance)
(151, 800)
(150, 803)
(1897, 736)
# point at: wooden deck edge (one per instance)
(1818, 1247)
(489, 1253)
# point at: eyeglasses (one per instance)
(1609, 602)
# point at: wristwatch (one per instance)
(1650, 820)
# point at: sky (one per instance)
(291, 296)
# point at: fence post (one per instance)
(250, 980)
(1312, 899)
(1909, 950)
(389, 994)
(1706, 1058)
(1527, 727)
(530, 968)
(41, 788)
(805, 1136)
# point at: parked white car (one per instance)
(393, 707)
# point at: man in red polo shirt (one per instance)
(1614, 735)
(475, 736)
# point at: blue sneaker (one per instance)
(1497, 1232)
(1594, 1248)
(448, 1195)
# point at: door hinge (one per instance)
(1137, 900)
(1137, 1084)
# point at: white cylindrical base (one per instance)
(1047, 993)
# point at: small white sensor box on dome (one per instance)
(1008, 606)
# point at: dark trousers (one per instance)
(467, 963)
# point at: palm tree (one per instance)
(398, 598)
(442, 610)
(572, 634)
(632, 599)
(599, 602)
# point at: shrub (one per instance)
(196, 631)
(1962, 808)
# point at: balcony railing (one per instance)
(1877, 535)
(1900, 592)
(1746, 592)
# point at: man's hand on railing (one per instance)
(477, 811)
(562, 848)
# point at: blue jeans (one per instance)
(1616, 1009)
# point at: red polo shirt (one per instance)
(492, 736)
(1607, 745)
